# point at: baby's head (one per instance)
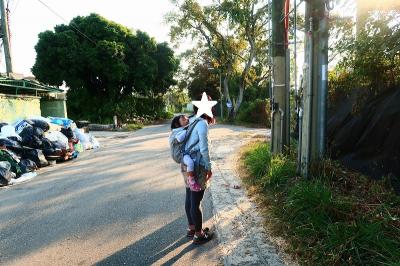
(179, 121)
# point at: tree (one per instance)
(369, 60)
(102, 63)
(234, 32)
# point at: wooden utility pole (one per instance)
(313, 125)
(5, 36)
(280, 79)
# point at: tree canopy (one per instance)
(234, 35)
(102, 63)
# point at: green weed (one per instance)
(335, 218)
(258, 160)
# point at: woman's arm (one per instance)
(202, 130)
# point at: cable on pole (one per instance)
(8, 22)
(15, 6)
(290, 12)
(71, 24)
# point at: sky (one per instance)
(29, 17)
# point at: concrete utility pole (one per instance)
(313, 125)
(280, 79)
(4, 36)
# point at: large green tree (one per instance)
(103, 63)
(233, 31)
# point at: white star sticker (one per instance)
(204, 106)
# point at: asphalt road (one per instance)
(121, 204)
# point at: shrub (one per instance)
(256, 112)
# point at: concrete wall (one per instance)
(53, 107)
(14, 107)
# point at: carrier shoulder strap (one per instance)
(189, 132)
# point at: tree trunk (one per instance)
(239, 101)
(227, 96)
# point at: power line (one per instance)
(15, 6)
(71, 24)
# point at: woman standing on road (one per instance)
(199, 141)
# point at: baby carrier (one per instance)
(178, 148)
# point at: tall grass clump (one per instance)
(257, 161)
(336, 217)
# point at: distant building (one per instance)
(23, 97)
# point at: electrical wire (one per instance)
(15, 6)
(290, 12)
(71, 24)
(8, 22)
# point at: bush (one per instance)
(165, 115)
(256, 112)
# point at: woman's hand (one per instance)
(209, 175)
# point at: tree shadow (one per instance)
(86, 196)
(168, 245)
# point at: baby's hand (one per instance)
(209, 174)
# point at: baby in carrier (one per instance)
(179, 128)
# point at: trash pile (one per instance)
(29, 144)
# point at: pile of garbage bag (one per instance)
(29, 144)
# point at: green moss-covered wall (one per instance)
(16, 107)
(55, 107)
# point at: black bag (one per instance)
(46, 144)
(68, 132)
(14, 138)
(32, 142)
(12, 145)
(26, 132)
(27, 166)
(38, 132)
(12, 159)
(5, 176)
(41, 124)
(37, 156)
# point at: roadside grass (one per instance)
(236, 122)
(338, 217)
(132, 126)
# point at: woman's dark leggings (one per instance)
(192, 207)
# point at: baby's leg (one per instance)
(189, 163)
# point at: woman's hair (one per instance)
(204, 116)
(175, 122)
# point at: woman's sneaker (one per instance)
(205, 237)
(190, 233)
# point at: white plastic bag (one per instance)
(9, 131)
(57, 136)
(84, 139)
(23, 178)
(95, 142)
